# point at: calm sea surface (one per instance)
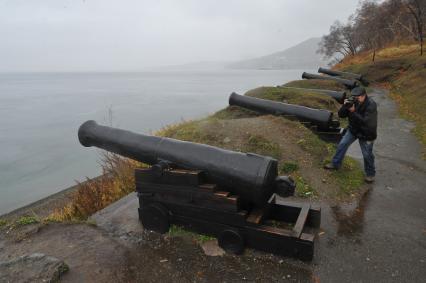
(40, 115)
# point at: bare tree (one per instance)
(340, 40)
(374, 25)
(417, 9)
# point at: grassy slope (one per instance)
(301, 154)
(403, 71)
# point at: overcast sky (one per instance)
(115, 35)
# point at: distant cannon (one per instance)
(339, 96)
(340, 74)
(350, 84)
(323, 119)
(232, 195)
(348, 75)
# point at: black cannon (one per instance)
(350, 84)
(340, 74)
(339, 96)
(250, 176)
(322, 119)
(232, 195)
(347, 75)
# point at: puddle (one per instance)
(350, 217)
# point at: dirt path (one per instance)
(381, 239)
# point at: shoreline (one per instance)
(45, 206)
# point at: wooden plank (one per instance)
(209, 187)
(233, 199)
(203, 213)
(288, 211)
(301, 220)
(222, 194)
(255, 216)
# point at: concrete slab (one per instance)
(120, 218)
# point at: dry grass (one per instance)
(93, 195)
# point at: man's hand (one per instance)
(352, 109)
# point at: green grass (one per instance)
(193, 131)
(178, 231)
(234, 112)
(315, 146)
(303, 189)
(27, 220)
(262, 146)
(288, 167)
(350, 177)
(3, 222)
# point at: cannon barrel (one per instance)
(250, 176)
(341, 74)
(319, 117)
(339, 96)
(350, 84)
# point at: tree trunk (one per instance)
(374, 54)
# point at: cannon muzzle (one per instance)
(319, 117)
(350, 84)
(251, 176)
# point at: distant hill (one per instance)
(302, 55)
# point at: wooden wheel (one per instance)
(231, 241)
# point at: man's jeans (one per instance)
(366, 149)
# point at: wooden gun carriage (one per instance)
(234, 196)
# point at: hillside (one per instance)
(403, 72)
(302, 55)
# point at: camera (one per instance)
(350, 101)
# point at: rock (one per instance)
(36, 267)
(211, 248)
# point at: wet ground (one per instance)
(384, 238)
(380, 239)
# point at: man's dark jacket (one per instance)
(362, 122)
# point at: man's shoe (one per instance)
(330, 166)
(369, 179)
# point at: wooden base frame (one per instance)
(279, 227)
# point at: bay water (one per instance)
(40, 114)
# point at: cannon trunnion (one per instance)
(231, 195)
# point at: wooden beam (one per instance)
(301, 220)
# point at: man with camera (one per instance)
(361, 112)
